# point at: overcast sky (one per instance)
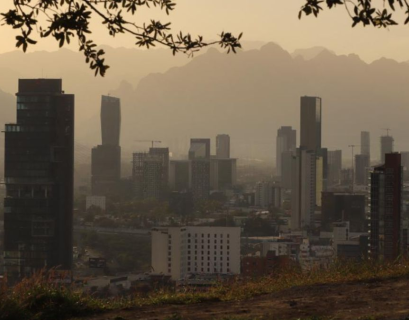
(265, 20)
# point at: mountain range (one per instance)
(248, 95)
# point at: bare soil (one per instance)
(377, 299)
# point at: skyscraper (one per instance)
(110, 120)
(199, 149)
(150, 174)
(163, 153)
(39, 166)
(311, 114)
(106, 158)
(361, 169)
(303, 193)
(366, 144)
(223, 146)
(286, 142)
(388, 227)
(179, 175)
(223, 173)
(386, 146)
(334, 167)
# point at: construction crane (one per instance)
(151, 141)
(387, 131)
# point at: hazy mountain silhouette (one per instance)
(251, 94)
(309, 53)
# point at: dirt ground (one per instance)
(380, 299)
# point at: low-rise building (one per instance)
(180, 251)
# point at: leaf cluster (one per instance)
(363, 12)
(64, 20)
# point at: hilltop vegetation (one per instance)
(41, 298)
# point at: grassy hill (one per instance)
(344, 291)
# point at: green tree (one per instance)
(65, 20)
(364, 12)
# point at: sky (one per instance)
(261, 20)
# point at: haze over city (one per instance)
(260, 172)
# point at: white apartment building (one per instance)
(179, 251)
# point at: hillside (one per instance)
(251, 94)
(367, 300)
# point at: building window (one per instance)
(228, 247)
(208, 269)
(188, 241)
(228, 235)
(188, 235)
(208, 235)
(188, 246)
(202, 235)
(215, 235)
(169, 265)
(188, 269)
(221, 247)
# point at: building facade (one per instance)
(362, 167)
(39, 168)
(106, 158)
(310, 138)
(223, 146)
(334, 167)
(179, 251)
(388, 226)
(286, 142)
(386, 147)
(366, 143)
(303, 193)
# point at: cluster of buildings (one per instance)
(332, 212)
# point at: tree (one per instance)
(363, 12)
(67, 19)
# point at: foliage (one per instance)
(64, 20)
(363, 12)
(134, 257)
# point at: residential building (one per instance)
(179, 251)
(341, 207)
(223, 146)
(39, 169)
(286, 142)
(388, 226)
(386, 147)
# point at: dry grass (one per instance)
(41, 297)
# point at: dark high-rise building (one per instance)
(340, 207)
(110, 120)
(223, 173)
(386, 147)
(163, 153)
(334, 167)
(286, 142)
(311, 114)
(105, 169)
(388, 230)
(148, 175)
(106, 158)
(199, 149)
(179, 175)
(223, 146)
(200, 179)
(366, 144)
(39, 166)
(362, 167)
(286, 169)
